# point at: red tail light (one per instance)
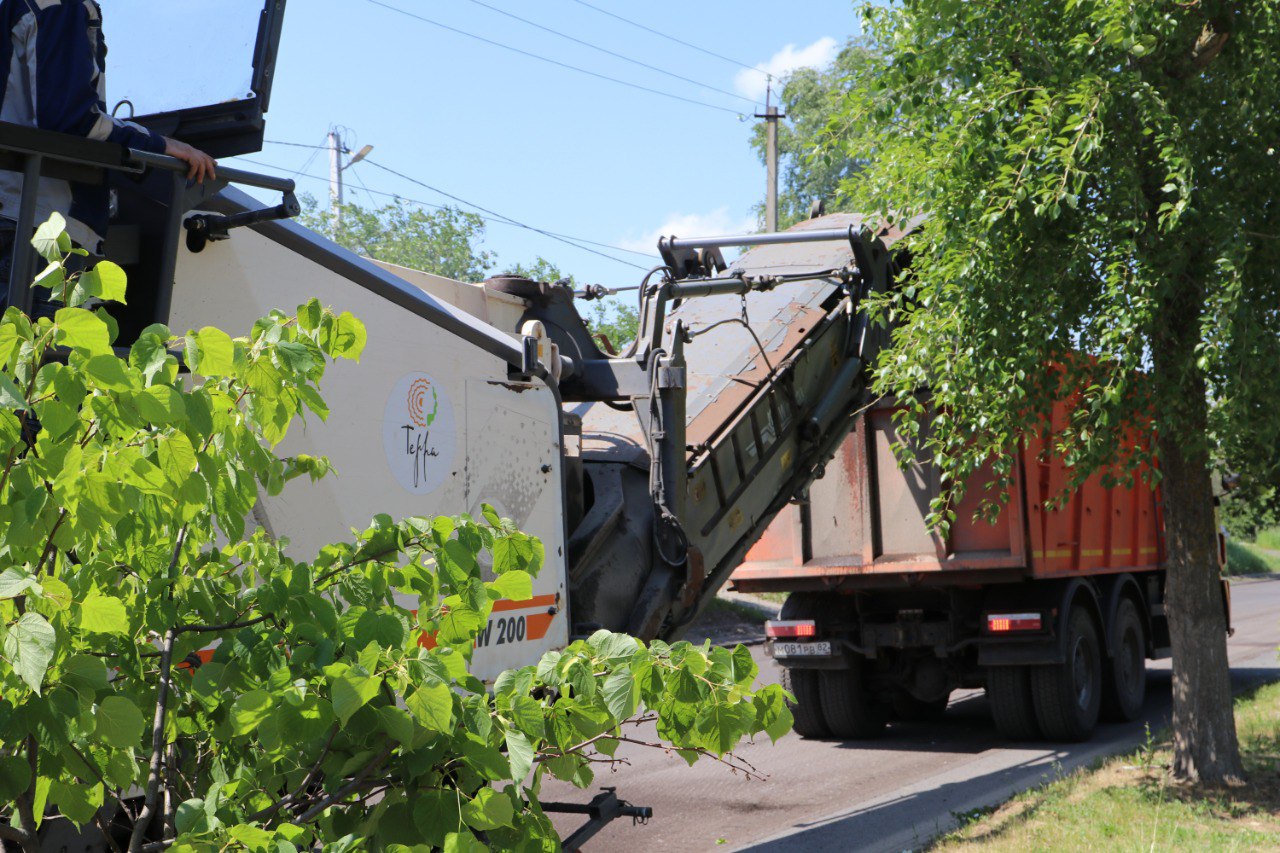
(799, 629)
(1004, 623)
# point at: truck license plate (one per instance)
(796, 650)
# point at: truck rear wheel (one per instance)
(803, 683)
(1068, 696)
(847, 705)
(1125, 674)
(807, 710)
(1009, 692)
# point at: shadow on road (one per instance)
(913, 816)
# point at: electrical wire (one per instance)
(668, 37)
(550, 234)
(495, 218)
(614, 54)
(557, 62)
(501, 218)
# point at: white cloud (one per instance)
(717, 223)
(782, 63)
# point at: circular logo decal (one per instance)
(418, 433)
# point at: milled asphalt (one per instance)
(891, 794)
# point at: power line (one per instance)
(668, 37)
(556, 61)
(605, 50)
(494, 217)
(550, 234)
(500, 218)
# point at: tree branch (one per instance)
(227, 626)
(292, 798)
(316, 810)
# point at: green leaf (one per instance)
(253, 838)
(111, 281)
(29, 646)
(77, 801)
(217, 353)
(161, 404)
(250, 710)
(516, 585)
(346, 338)
(177, 457)
(352, 690)
(108, 372)
(621, 693)
(11, 396)
(82, 330)
(103, 614)
(463, 842)
(520, 754)
(15, 777)
(15, 581)
(119, 723)
(85, 674)
(396, 723)
(432, 706)
(191, 817)
(488, 810)
(51, 240)
(437, 814)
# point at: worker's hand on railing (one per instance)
(200, 164)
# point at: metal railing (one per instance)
(41, 153)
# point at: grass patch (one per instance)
(1270, 539)
(1246, 559)
(1130, 803)
(743, 609)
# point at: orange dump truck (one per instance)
(1054, 611)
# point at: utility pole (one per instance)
(335, 178)
(336, 168)
(771, 116)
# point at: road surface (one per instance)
(891, 794)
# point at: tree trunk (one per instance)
(1205, 747)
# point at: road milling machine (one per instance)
(646, 475)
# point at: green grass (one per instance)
(1269, 539)
(1246, 559)
(1130, 803)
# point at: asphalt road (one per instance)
(892, 794)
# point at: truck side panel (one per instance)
(865, 520)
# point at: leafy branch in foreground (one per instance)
(173, 692)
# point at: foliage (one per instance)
(811, 98)
(335, 708)
(444, 242)
(1245, 559)
(1097, 177)
(616, 320)
(1249, 508)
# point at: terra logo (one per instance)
(418, 433)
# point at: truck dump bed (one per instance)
(864, 524)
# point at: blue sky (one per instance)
(544, 145)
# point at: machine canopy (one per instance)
(200, 70)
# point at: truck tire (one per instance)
(1068, 696)
(847, 705)
(806, 711)
(910, 709)
(1124, 684)
(1014, 712)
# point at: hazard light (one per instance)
(1004, 623)
(794, 628)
